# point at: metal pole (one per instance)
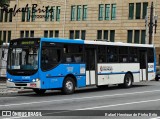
(151, 24)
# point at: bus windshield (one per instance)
(23, 56)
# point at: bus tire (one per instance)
(128, 79)
(39, 91)
(68, 86)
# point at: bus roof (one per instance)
(80, 41)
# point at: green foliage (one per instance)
(2, 2)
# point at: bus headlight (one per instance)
(34, 80)
(37, 79)
(10, 80)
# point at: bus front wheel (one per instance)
(39, 91)
(68, 86)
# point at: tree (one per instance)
(2, 2)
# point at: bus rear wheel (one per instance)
(39, 91)
(128, 79)
(68, 86)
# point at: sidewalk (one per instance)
(7, 91)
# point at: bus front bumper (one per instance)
(23, 85)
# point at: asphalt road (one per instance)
(142, 100)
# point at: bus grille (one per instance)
(17, 84)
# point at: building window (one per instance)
(1, 42)
(46, 34)
(33, 14)
(51, 34)
(77, 34)
(71, 34)
(58, 13)
(138, 10)
(105, 35)
(47, 14)
(136, 36)
(145, 5)
(26, 34)
(143, 35)
(1, 15)
(99, 34)
(112, 35)
(21, 34)
(9, 36)
(101, 12)
(83, 34)
(52, 13)
(10, 16)
(78, 12)
(84, 15)
(4, 36)
(28, 14)
(129, 37)
(31, 33)
(56, 33)
(6, 17)
(23, 14)
(113, 11)
(107, 11)
(131, 10)
(73, 9)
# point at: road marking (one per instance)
(91, 108)
(72, 99)
(121, 104)
(155, 118)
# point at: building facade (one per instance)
(109, 20)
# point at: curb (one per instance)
(13, 91)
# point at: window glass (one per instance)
(73, 53)
(113, 11)
(150, 55)
(101, 54)
(83, 34)
(143, 35)
(129, 36)
(73, 9)
(138, 10)
(101, 12)
(50, 55)
(52, 13)
(107, 11)
(145, 5)
(85, 10)
(136, 36)
(78, 12)
(112, 54)
(131, 10)
(133, 54)
(99, 34)
(123, 54)
(112, 35)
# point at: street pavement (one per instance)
(142, 100)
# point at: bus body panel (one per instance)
(54, 78)
(151, 72)
(115, 73)
(23, 81)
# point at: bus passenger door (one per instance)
(90, 66)
(143, 65)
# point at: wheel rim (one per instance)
(128, 81)
(69, 85)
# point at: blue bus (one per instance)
(53, 63)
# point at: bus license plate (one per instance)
(33, 85)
